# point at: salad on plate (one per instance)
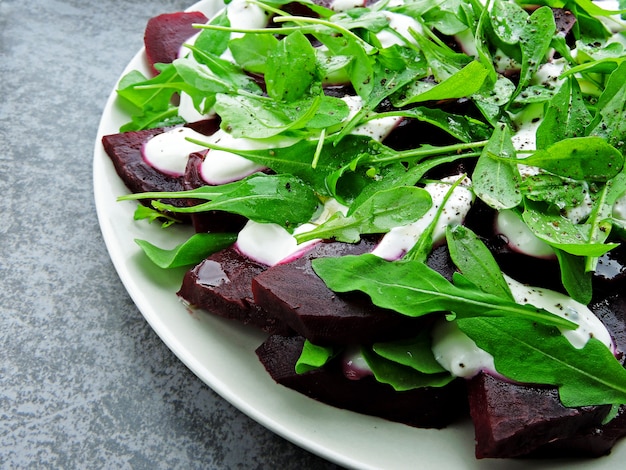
(421, 204)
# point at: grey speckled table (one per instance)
(84, 381)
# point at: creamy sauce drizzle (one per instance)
(271, 244)
(401, 239)
(168, 152)
(519, 237)
(559, 304)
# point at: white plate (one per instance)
(221, 353)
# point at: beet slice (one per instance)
(428, 407)
(296, 295)
(166, 33)
(512, 420)
(221, 285)
(124, 150)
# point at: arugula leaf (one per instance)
(529, 352)
(535, 41)
(413, 289)
(258, 118)
(149, 99)
(496, 180)
(559, 192)
(610, 120)
(476, 262)
(562, 233)
(360, 69)
(214, 41)
(415, 352)
(463, 128)
(566, 116)
(378, 214)
(313, 357)
(581, 158)
(220, 76)
(291, 68)
(575, 277)
(396, 67)
(192, 251)
(144, 212)
(251, 50)
(401, 377)
(281, 199)
(466, 82)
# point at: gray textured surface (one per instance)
(84, 382)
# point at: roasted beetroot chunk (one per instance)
(296, 295)
(166, 33)
(125, 152)
(513, 420)
(221, 285)
(425, 407)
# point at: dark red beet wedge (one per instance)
(513, 420)
(425, 407)
(296, 295)
(166, 33)
(221, 285)
(124, 150)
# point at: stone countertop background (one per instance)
(84, 381)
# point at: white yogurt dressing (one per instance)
(168, 152)
(399, 240)
(221, 166)
(401, 24)
(378, 129)
(457, 353)
(519, 237)
(269, 244)
(560, 304)
(345, 5)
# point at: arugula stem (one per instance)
(427, 151)
(192, 194)
(318, 148)
(369, 49)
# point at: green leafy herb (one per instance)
(313, 357)
(413, 289)
(280, 199)
(496, 180)
(401, 377)
(476, 262)
(415, 352)
(533, 353)
(192, 251)
(378, 214)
